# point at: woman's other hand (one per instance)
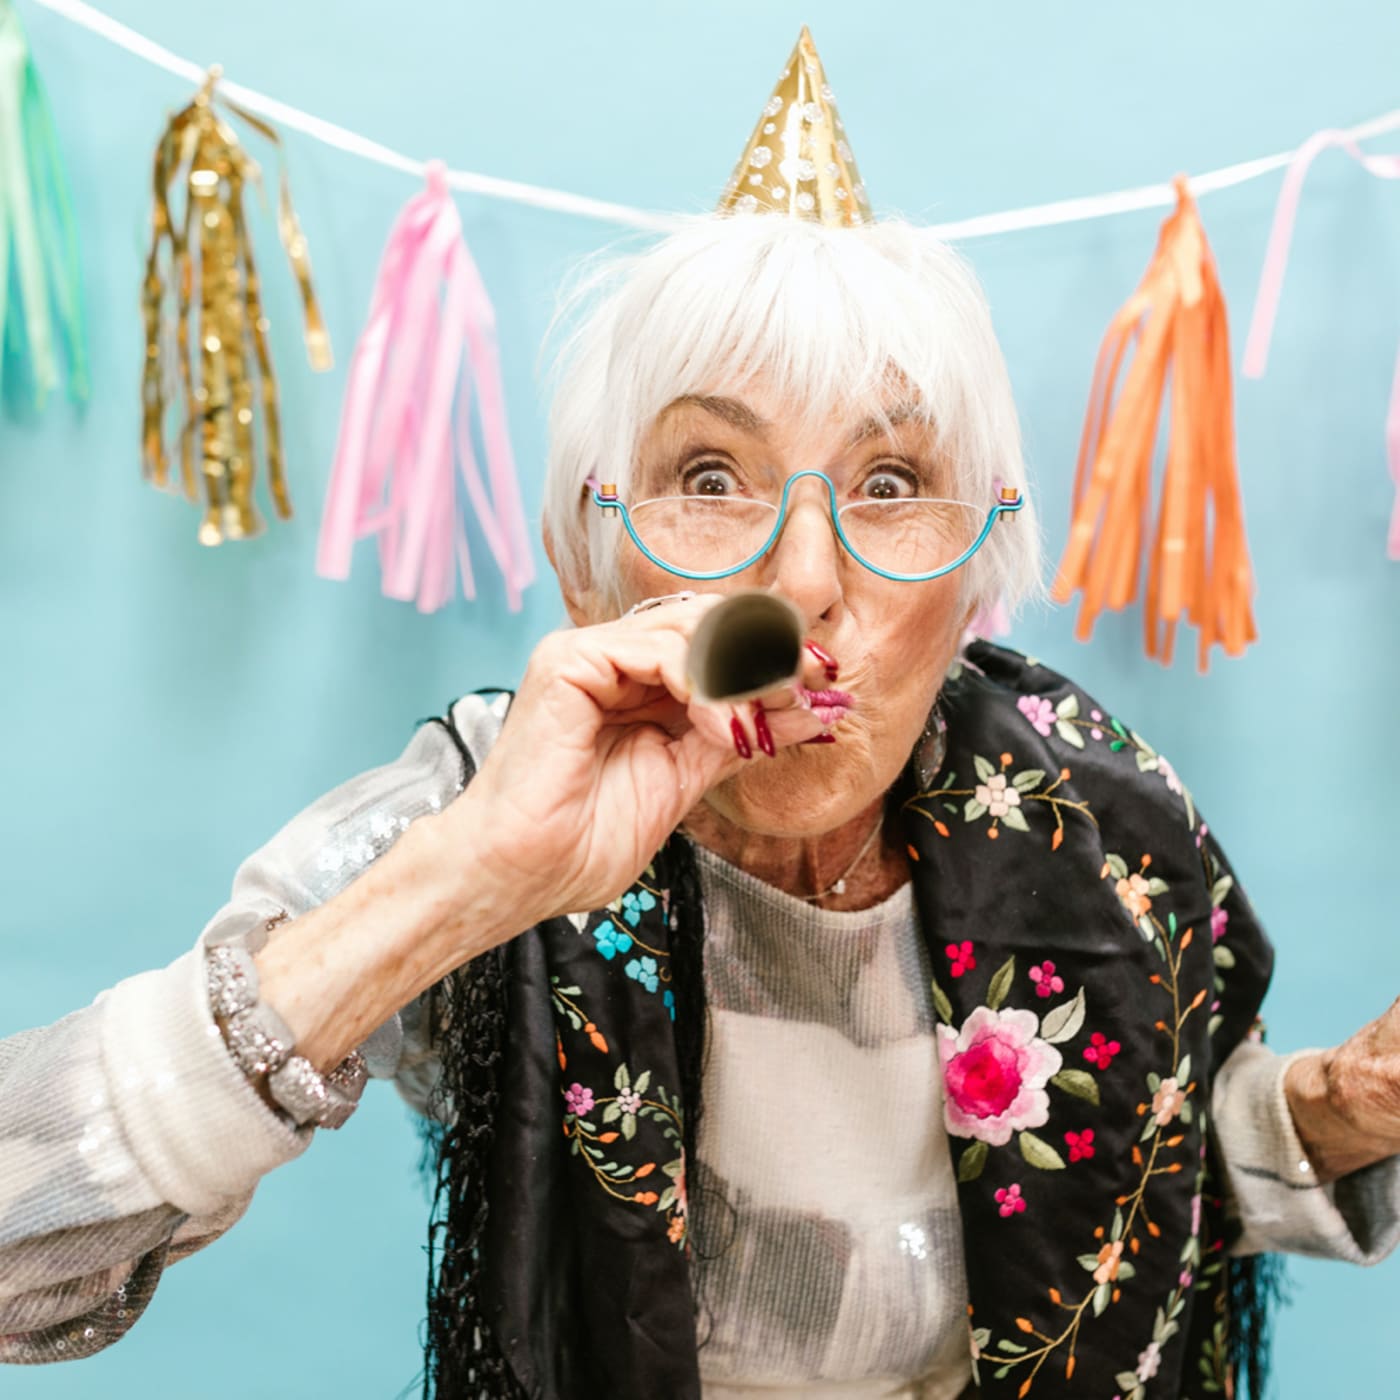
(1345, 1102)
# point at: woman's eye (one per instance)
(709, 479)
(888, 484)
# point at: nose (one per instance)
(805, 563)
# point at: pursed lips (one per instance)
(829, 706)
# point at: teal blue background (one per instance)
(166, 707)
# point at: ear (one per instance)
(582, 600)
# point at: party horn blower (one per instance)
(427, 350)
(745, 647)
(220, 331)
(1198, 560)
(41, 317)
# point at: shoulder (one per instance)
(1012, 712)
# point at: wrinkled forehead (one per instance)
(754, 410)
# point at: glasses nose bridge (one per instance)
(827, 497)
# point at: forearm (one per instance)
(1346, 1108)
(427, 906)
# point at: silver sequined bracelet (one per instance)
(262, 1043)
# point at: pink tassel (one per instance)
(1261, 329)
(429, 343)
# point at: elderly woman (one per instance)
(962, 982)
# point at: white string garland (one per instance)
(1064, 211)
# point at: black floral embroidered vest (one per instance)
(1095, 962)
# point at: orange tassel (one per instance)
(1198, 563)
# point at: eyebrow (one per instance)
(739, 415)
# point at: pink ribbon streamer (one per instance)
(405, 428)
(1261, 327)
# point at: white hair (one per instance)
(831, 318)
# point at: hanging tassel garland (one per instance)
(1261, 327)
(429, 343)
(1199, 558)
(41, 316)
(220, 330)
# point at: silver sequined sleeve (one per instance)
(128, 1136)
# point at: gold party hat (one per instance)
(797, 161)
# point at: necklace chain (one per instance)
(838, 886)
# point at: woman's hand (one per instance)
(1345, 1102)
(604, 752)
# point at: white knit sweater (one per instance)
(129, 1139)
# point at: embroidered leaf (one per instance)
(1117, 866)
(1028, 778)
(672, 1169)
(1079, 1083)
(667, 1197)
(1064, 1022)
(1154, 1081)
(1183, 1070)
(1102, 1294)
(1187, 1113)
(1148, 1128)
(1040, 1154)
(1069, 733)
(1116, 1232)
(1125, 1270)
(643, 1082)
(622, 1080)
(1215, 1023)
(1001, 984)
(1156, 885)
(1146, 927)
(941, 1004)
(629, 1126)
(1015, 818)
(1068, 708)
(1223, 956)
(972, 1161)
(1011, 1348)
(974, 809)
(1126, 1380)
(611, 1113)
(1089, 1262)
(983, 766)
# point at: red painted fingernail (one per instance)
(762, 733)
(833, 669)
(821, 739)
(741, 740)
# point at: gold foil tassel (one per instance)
(219, 330)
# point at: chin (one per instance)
(806, 791)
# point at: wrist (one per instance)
(1339, 1103)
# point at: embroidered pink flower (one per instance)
(1010, 1200)
(629, 1101)
(1041, 713)
(1149, 1360)
(1046, 983)
(1133, 892)
(1195, 1215)
(1081, 1145)
(1184, 1280)
(1169, 773)
(1100, 1051)
(960, 956)
(996, 797)
(577, 1099)
(1167, 1102)
(1110, 1256)
(1219, 922)
(994, 1072)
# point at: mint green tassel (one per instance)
(40, 289)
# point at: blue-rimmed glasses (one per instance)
(907, 539)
